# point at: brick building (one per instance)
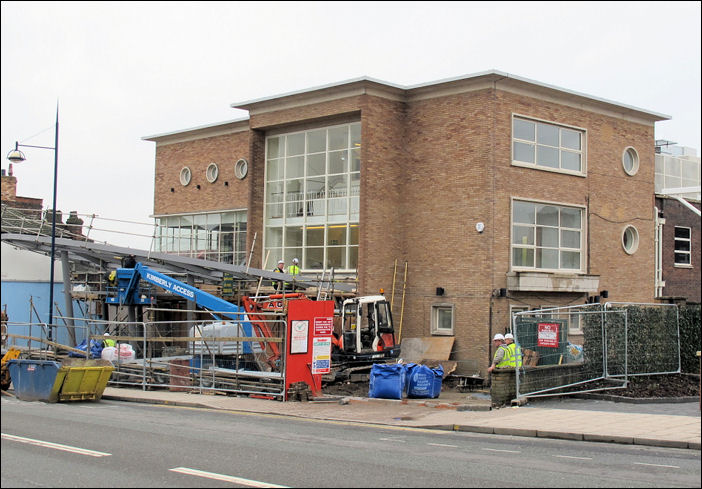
(500, 193)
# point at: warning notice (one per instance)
(321, 355)
(547, 335)
(323, 326)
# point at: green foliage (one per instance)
(690, 338)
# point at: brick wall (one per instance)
(680, 281)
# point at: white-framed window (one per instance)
(630, 161)
(185, 176)
(548, 146)
(241, 168)
(216, 236)
(312, 197)
(442, 319)
(683, 246)
(212, 172)
(630, 239)
(547, 237)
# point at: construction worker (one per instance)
(108, 342)
(502, 353)
(293, 270)
(280, 268)
(515, 352)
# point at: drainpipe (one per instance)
(658, 246)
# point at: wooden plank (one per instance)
(206, 339)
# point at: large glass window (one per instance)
(547, 146)
(312, 197)
(546, 236)
(683, 245)
(218, 236)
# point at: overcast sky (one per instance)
(122, 71)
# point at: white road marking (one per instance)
(657, 465)
(576, 458)
(506, 451)
(442, 445)
(56, 446)
(393, 439)
(222, 477)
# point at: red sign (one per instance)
(323, 326)
(548, 335)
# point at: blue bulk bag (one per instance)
(95, 349)
(387, 381)
(424, 382)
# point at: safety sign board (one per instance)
(548, 335)
(321, 355)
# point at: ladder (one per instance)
(325, 288)
(395, 285)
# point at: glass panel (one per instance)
(659, 164)
(293, 236)
(336, 257)
(522, 257)
(353, 234)
(336, 235)
(570, 161)
(274, 192)
(682, 245)
(293, 190)
(547, 134)
(570, 260)
(315, 236)
(291, 253)
(315, 258)
(295, 144)
(546, 156)
(523, 235)
(523, 212)
(523, 152)
(317, 141)
(672, 167)
(547, 237)
(274, 148)
(336, 207)
(546, 258)
(274, 211)
(570, 218)
(274, 254)
(628, 160)
(682, 258)
(355, 135)
(523, 130)
(316, 165)
(690, 170)
(672, 182)
(547, 215)
(295, 167)
(338, 162)
(570, 239)
(570, 139)
(337, 186)
(353, 257)
(274, 237)
(355, 160)
(338, 138)
(274, 170)
(682, 232)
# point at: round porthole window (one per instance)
(185, 175)
(630, 160)
(212, 172)
(241, 168)
(630, 239)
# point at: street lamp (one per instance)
(16, 156)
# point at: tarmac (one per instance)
(659, 424)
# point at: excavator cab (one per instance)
(367, 332)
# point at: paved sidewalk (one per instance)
(467, 414)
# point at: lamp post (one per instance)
(16, 156)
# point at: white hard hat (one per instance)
(498, 336)
(281, 261)
(295, 260)
(106, 334)
(509, 336)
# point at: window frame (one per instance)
(637, 239)
(435, 310)
(675, 247)
(630, 150)
(535, 165)
(582, 249)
